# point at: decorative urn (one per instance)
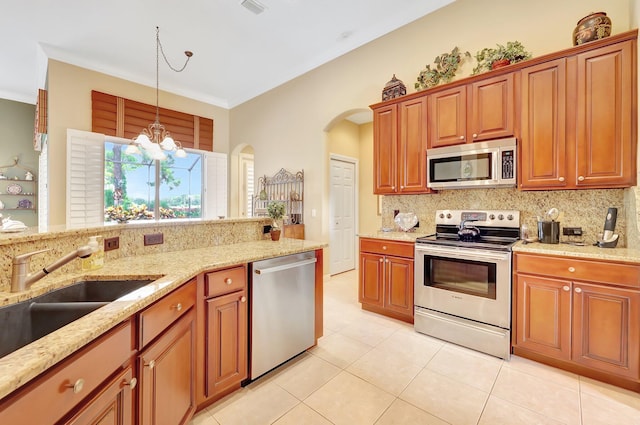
(592, 27)
(394, 88)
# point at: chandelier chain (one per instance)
(188, 54)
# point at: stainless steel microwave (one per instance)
(473, 165)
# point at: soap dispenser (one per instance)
(96, 260)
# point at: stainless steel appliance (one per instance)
(463, 287)
(473, 165)
(282, 310)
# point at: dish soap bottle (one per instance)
(96, 260)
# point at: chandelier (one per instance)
(155, 139)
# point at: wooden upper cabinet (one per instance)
(478, 111)
(605, 135)
(448, 117)
(543, 121)
(491, 110)
(385, 149)
(412, 157)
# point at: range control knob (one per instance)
(510, 217)
(448, 215)
(500, 217)
(441, 215)
(492, 217)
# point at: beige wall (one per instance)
(70, 107)
(286, 124)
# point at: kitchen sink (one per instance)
(29, 320)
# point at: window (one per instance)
(100, 176)
(135, 184)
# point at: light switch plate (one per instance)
(153, 239)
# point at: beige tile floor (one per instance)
(368, 369)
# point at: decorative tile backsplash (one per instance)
(581, 208)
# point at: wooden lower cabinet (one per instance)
(386, 278)
(167, 375)
(111, 406)
(588, 327)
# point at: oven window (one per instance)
(465, 276)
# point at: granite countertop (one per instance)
(588, 251)
(169, 269)
(395, 235)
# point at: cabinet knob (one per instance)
(565, 288)
(580, 178)
(461, 137)
(243, 299)
(77, 386)
(380, 260)
(393, 188)
(151, 364)
(561, 179)
(572, 269)
(475, 135)
(384, 247)
(229, 281)
(178, 307)
(386, 260)
(131, 383)
(401, 187)
(578, 290)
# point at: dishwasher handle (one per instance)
(285, 266)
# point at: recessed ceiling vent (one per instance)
(253, 6)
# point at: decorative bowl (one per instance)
(406, 221)
(592, 27)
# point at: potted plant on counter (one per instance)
(276, 212)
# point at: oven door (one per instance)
(470, 283)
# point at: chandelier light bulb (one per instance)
(132, 149)
(168, 144)
(180, 153)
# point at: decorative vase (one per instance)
(275, 234)
(592, 27)
(500, 63)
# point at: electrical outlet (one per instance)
(572, 231)
(266, 229)
(153, 239)
(111, 243)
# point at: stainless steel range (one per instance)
(463, 279)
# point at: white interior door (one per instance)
(342, 229)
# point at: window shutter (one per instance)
(215, 178)
(85, 179)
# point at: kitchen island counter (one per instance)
(168, 269)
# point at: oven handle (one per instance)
(466, 255)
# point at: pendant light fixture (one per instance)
(155, 139)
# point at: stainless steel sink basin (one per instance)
(30, 320)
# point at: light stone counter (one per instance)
(588, 251)
(170, 269)
(396, 236)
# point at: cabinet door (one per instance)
(412, 158)
(111, 406)
(385, 149)
(491, 112)
(606, 139)
(448, 117)
(606, 329)
(398, 285)
(371, 279)
(167, 375)
(543, 119)
(226, 342)
(543, 315)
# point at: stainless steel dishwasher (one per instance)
(282, 310)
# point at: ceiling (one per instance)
(237, 54)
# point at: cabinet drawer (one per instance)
(51, 396)
(225, 281)
(155, 319)
(384, 247)
(575, 269)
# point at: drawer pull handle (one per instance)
(151, 364)
(572, 269)
(243, 299)
(131, 383)
(77, 386)
(565, 288)
(578, 290)
(178, 307)
(228, 281)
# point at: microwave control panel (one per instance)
(507, 163)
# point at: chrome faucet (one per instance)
(21, 279)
